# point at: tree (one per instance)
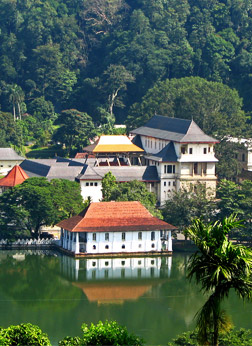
(115, 78)
(219, 266)
(129, 191)
(38, 202)
(75, 129)
(232, 338)
(16, 97)
(23, 334)
(215, 107)
(103, 333)
(108, 185)
(228, 166)
(184, 206)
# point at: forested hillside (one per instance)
(109, 58)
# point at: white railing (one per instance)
(28, 242)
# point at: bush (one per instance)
(107, 333)
(241, 337)
(25, 334)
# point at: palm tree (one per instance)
(218, 265)
(16, 97)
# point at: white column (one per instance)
(77, 244)
(169, 241)
(64, 239)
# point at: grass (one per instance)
(44, 152)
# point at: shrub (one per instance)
(107, 333)
(241, 337)
(25, 334)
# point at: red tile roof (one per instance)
(114, 217)
(14, 177)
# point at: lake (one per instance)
(149, 295)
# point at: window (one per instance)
(91, 184)
(152, 235)
(106, 247)
(205, 150)
(139, 263)
(140, 245)
(123, 236)
(165, 183)
(139, 235)
(190, 150)
(152, 262)
(95, 184)
(106, 236)
(243, 157)
(183, 149)
(123, 263)
(174, 183)
(93, 264)
(123, 246)
(169, 183)
(169, 169)
(153, 245)
(94, 247)
(94, 236)
(87, 184)
(106, 263)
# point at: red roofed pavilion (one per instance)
(15, 177)
(115, 227)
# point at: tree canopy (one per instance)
(38, 202)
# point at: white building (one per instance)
(115, 227)
(182, 153)
(8, 159)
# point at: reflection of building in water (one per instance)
(116, 268)
(116, 280)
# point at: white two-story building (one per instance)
(182, 153)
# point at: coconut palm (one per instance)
(218, 265)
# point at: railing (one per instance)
(28, 243)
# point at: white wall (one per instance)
(93, 191)
(115, 242)
(6, 166)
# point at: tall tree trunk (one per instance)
(14, 111)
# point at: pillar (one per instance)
(169, 241)
(77, 243)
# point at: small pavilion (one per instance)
(118, 147)
(15, 177)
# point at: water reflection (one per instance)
(116, 280)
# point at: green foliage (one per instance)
(237, 199)
(241, 337)
(24, 334)
(228, 166)
(108, 185)
(215, 107)
(184, 206)
(75, 130)
(38, 202)
(129, 191)
(104, 333)
(219, 266)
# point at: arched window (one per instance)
(94, 247)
